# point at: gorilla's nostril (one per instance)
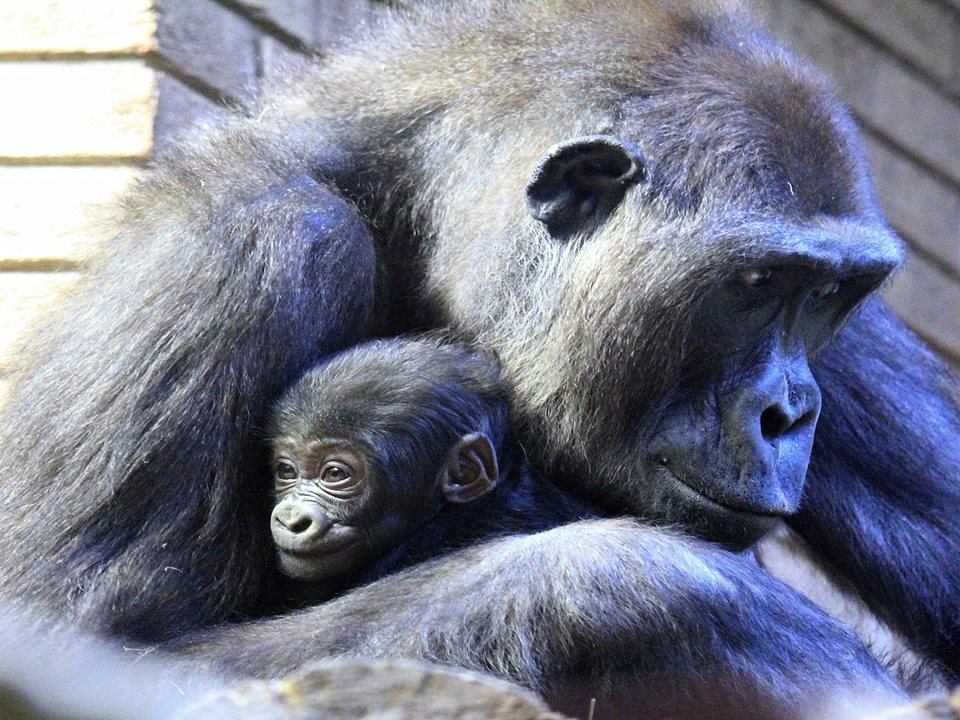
(808, 418)
(774, 423)
(299, 524)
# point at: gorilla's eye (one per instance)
(335, 473)
(286, 471)
(756, 276)
(822, 292)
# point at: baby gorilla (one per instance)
(377, 454)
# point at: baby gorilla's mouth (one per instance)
(338, 554)
(337, 539)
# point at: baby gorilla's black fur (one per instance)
(418, 434)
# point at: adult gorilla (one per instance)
(479, 167)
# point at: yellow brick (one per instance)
(23, 298)
(81, 26)
(67, 109)
(50, 213)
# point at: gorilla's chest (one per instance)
(787, 557)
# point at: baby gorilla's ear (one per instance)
(471, 469)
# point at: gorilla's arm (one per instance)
(662, 621)
(130, 494)
(883, 490)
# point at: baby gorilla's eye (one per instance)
(756, 276)
(822, 292)
(286, 471)
(335, 473)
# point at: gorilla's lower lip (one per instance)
(321, 562)
(700, 498)
(734, 528)
(336, 540)
(321, 549)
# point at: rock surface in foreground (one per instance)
(373, 690)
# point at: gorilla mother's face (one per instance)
(680, 384)
(673, 280)
(658, 300)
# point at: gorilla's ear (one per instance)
(471, 469)
(579, 182)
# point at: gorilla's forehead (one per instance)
(741, 124)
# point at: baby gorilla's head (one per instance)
(368, 446)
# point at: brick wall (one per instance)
(91, 87)
(98, 82)
(79, 100)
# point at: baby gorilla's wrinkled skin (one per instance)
(315, 483)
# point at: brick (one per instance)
(316, 24)
(278, 61)
(296, 17)
(205, 40)
(919, 205)
(927, 300)
(24, 297)
(100, 108)
(50, 212)
(179, 108)
(928, 33)
(91, 26)
(339, 18)
(882, 92)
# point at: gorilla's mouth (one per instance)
(320, 550)
(714, 520)
(338, 539)
(322, 562)
(686, 487)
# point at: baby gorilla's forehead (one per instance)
(386, 395)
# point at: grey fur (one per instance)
(383, 192)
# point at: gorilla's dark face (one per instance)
(699, 406)
(728, 451)
(668, 301)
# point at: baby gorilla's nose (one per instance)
(297, 524)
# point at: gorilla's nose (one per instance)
(297, 524)
(771, 421)
(779, 408)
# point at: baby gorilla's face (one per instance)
(338, 508)
(322, 488)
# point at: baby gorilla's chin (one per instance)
(322, 563)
